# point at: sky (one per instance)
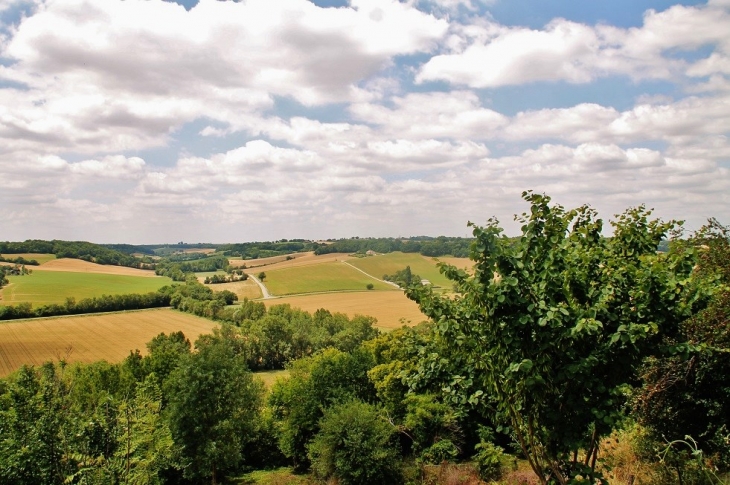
(150, 121)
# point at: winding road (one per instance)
(264, 290)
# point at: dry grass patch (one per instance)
(109, 336)
(391, 308)
(79, 266)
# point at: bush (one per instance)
(355, 445)
(370, 286)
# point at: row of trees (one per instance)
(432, 247)
(73, 249)
(179, 270)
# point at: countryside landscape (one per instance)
(364, 242)
(372, 360)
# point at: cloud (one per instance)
(577, 53)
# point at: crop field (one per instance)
(40, 257)
(300, 259)
(243, 289)
(327, 276)
(44, 287)
(389, 263)
(80, 266)
(269, 377)
(391, 308)
(88, 338)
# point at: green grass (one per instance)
(280, 476)
(390, 263)
(270, 376)
(40, 257)
(45, 287)
(327, 276)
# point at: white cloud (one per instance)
(485, 55)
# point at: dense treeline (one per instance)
(19, 260)
(104, 303)
(178, 271)
(73, 249)
(255, 250)
(432, 247)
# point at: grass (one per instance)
(271, 376)
(242, 289)
(327, 276)
(89, 338)
(391, 308)
(40, 257)
(280, 476)
(390, 263)
(45, 287)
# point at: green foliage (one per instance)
(554, 324)
(403, 278)
(315, 383)
(427, 246)
(355, 445)
(72, 249)
(690, 394)
(213, 403)
(370, 286)
(145, 444)
(432, 426)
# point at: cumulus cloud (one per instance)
(577, 53)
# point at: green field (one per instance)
(269, 377)
(40, 257)
(390, 263)
(44, 287)
(329, 276)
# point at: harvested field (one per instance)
(44, 287)
(88, 338)
(254, 263)
(327, 276)
(461, 263)
(301, 259)
(40, 257)
(243, 289)
(389, 307)
(79, 266)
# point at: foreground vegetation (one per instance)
(589, 358)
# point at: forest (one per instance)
(579, 357)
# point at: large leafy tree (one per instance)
(554, 324)
(213, 404)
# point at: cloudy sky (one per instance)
(146, 121)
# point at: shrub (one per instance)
(355, 446)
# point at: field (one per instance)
(242, 289)
(327, 276)
(269, 377)
(40, 257)
(389, 307)
(421, 265)
(80, 266)
(89, 338)
(44, 287)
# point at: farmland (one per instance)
(45, 287)
(391, 308)
(40, 257)
(90, 338)
(390, 263)
(326, 276)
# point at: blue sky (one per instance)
(146, 121)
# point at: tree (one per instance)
(261, 276)
(213, 404)
(356, 445)
(690, 394)
(554, 324)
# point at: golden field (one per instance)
(88, 338)
(391, 308)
